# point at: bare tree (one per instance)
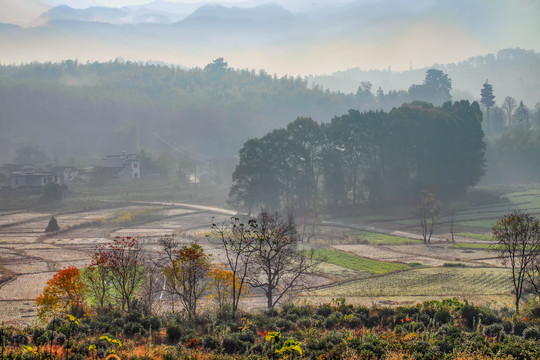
(532, 276)
(277, 265)
(153, 283)
(509, 104)
(452, 222)
(428, 209)
(309, 223)
(236, 237)
(518, 240)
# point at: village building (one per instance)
(125, 166)
(25, 176)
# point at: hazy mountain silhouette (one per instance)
(311, 39)
(94, 14)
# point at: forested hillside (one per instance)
(74, 113)
(88, 109)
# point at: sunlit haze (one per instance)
(366, 34)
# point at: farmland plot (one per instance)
(379, 268)
(445, 282)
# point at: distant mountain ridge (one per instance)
(96, 13)
(318, 39)
(266, 12)
(159, 13)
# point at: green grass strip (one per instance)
(376, 238)
(475, 236)
(474, 246)
(349, 261)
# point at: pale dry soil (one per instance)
(28, 258)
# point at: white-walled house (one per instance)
(128, 165)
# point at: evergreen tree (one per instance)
(522, 116)
(487, 100)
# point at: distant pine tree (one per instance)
(53, 226)
(488, 100)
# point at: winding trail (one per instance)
(380, 230)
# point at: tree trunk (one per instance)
(269, 299)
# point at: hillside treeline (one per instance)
(73, 110)
(70, 110)
(377, 156)
(511, 71)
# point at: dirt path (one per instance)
(374, 229)
(209, 209)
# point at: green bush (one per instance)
(519, 328)
(118, 323)
(442, 316)
(453, 265)
(422, 318)
(284, 324)
(17, 339)
(507, 326)
(494, 331)
(324, 310)
(386, 314)
(134, 316)
(362, 311)
(372, 321)
(151, 322)
(210, 343)
(305, 322)
(233, 345)
(261, 321)
(247, 336)
(38, 336)
(450, 333)
(531, 334)
(355, 322)
(170, 354)
(470, 315)
(291, 317)
(331, 321)
(59, 338)
(174, 332)
(298, 310)
(131, 328)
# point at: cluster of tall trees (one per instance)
(509, 115)
(513, 144)
(375, 155)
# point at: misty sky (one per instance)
(397, 40)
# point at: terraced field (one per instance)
(372, 257)
(446, 282)
(353, 262)
(379, 239)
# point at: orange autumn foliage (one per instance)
(221, 283)
(63, 293)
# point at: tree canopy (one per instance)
(358, 156)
